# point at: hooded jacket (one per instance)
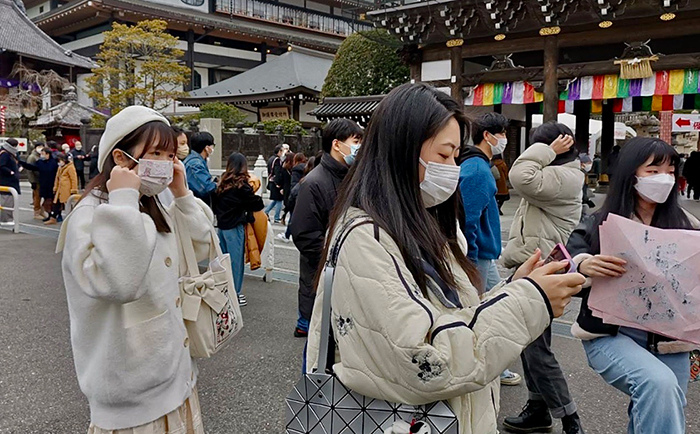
(317, 195)
(396, 344)
(482, 223)
(550, 207)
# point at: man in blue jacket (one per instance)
(199, 179)
(482, 224)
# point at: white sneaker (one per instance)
(242, 301)
(282, 238)
(509, 378)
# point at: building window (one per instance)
(41, 9)
(197, 80)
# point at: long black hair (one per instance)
(236, 174)
(622, 197)
(384, 181)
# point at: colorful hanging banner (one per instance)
(611, 86)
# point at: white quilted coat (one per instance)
(550, 208)
(395, 344)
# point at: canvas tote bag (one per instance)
(212, 316)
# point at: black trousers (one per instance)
(544, 377)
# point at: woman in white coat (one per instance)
(409, 323)
(121, 269)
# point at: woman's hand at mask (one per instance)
(562, 144)
(179, 184)
(122, 177)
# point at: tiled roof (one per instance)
(19, 35)
(299, 68)
(347, 107)
(68, 114)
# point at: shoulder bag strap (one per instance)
(185, 239)
(326, 353)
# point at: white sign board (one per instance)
(22, 142)
(620, 131)
(686, 123)
(201, 5)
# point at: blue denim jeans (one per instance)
(302, 323)
(657, 383)
(232, 241)
(277, 206)
(488, 270)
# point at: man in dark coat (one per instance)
(691, 172)
(317, 195)
(9, 176)
(47, 166)
(274, 182)
(79, 158)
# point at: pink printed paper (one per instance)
(660, 292)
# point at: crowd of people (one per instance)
(54, 173)
(408, 215)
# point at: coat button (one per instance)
(187, 342)
(168, 262)
(177, 302)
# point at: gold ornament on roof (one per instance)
(549, 31)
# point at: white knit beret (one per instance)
(121, 125)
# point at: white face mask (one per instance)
(156, 175)
(500, 146)
(655, 188)
(587, 167)
(439, 183)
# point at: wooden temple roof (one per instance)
(432, 22)
(18, 34)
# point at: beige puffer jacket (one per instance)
(396, 345)
(550, 207)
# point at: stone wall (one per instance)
(249, 144)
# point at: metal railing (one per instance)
(290, 16)
(15, 209)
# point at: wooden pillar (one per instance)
(582, 111)
(456, 72)
(296, 108)
(607, 137)
(189, 58)
(551, 93)
(415, 72)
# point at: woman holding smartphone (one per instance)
(407, 319)
(653, 370)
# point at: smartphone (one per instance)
(559, 253)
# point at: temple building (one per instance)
(600, 58)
